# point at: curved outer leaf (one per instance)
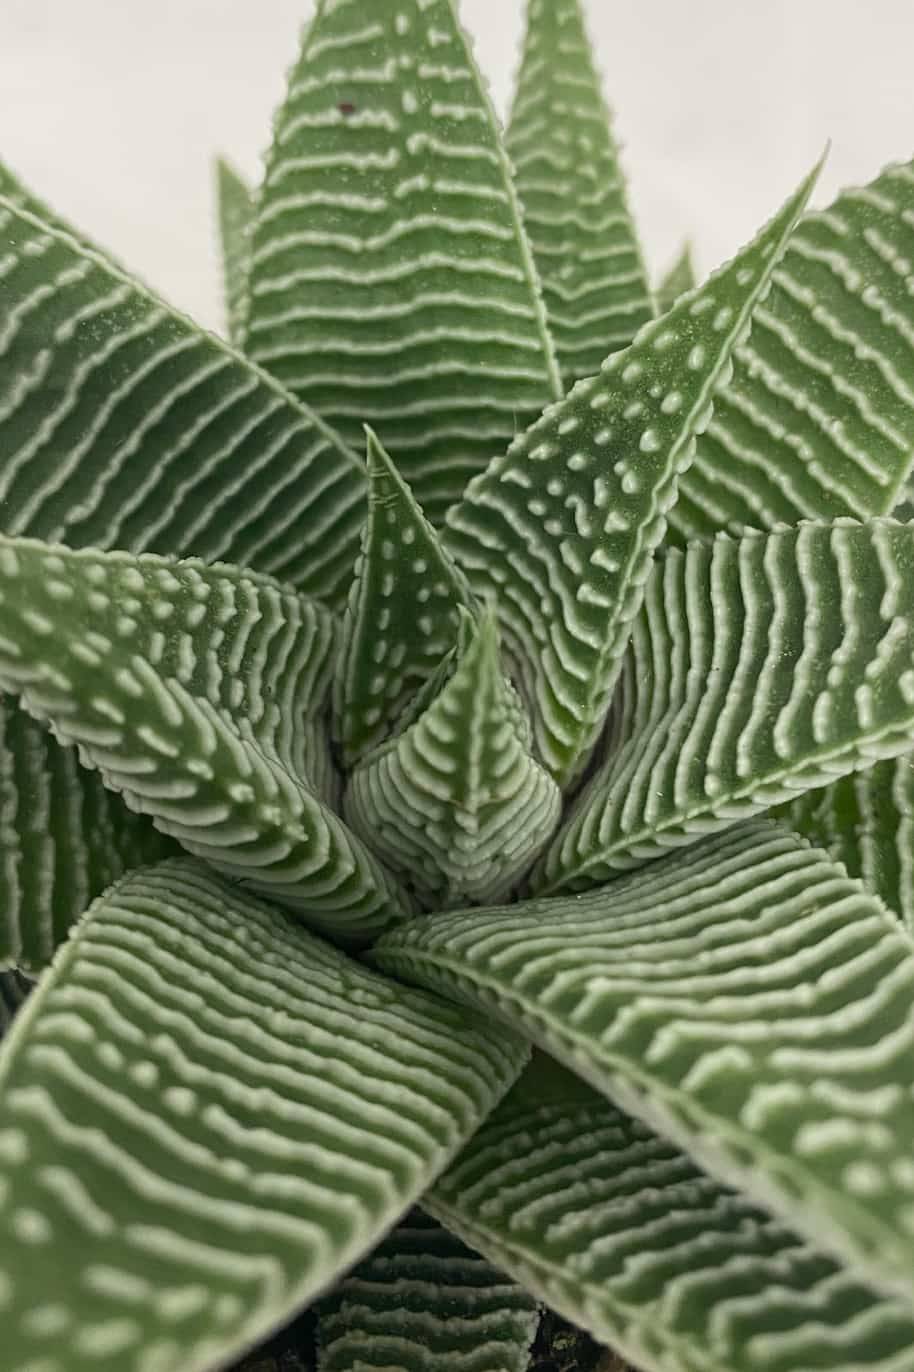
(205, 1115)
(123, 425)
(190, 688)
(391, 280)
(402, 617)
(14, 988)
(679, 279)
(866, 821)
(818, 420)
(758, 668)
(621, 1232)
(571, 186)
(746, 998)
(561, 531)
(456, 805)
(424, 1302)
(236, 214)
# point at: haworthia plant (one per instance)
(370, 648)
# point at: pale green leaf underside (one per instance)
(746, 998)
(758, 668)
(205, 1115)
(618, 1230)
(818, 420)
(571, 186)
(424, 1302)
(236, 213)
(678, 279)
(561, 531)
(402, 616)
(456, 805)
(190, 688)
(391, 282)
(123, 425)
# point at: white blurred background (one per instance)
(113, 109)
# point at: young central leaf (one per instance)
(561, 531)
(391, 282)
(456, 804)
(236, 211)
(192, 688)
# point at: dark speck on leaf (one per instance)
(346, 108)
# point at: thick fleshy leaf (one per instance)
(391, 280)
(866, 821)
(620, 1231)
(571, 186)
(236, 214)
(745, 997)
(456, 805)
(206, 1115)
(424, 1302)
(759, 668)
(123, 425)
(562, 530)
(190, 688)
(679, 279)
(818, 420)
(14, 988)
(402, 616)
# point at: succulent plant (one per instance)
(455, 756)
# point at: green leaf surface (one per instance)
(679, 278)
(403, 612)
(456, 805)
(758, 668)
(124, 425)
(391, 281)
(561, 531)
(746, 998)
(206, 1115)
(571, 186)
(15, 192)
(617, 1229)
(424, 1302)
(14, 989)
(818, 420)
(189, 687)
(236, 215)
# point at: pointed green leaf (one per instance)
(236, 214)
(16, 193)
(14, 988)
(425, 1302)
(206, 1115)
(758, 668)
(189, 688)
(679, 279)
(402, 616)
(571, 186)
(123, 425)
(562, 530)
(456, 805)
(391, 280)
(746, 998)
(617, 1229)
(866, 821)
(818, 420)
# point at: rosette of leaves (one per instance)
(403, 684)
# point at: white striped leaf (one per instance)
(206, 1114)
(236, 214)
(866, 821)
(679, 278)
(424, 1302)
(818, 420)
(190, 687)
(16, 193)
(758, 668)
(391, 281)
(618, 1230)
(571, 186)
(124, 425)
(456, 805)
(402, 616)
(746, 998)
(562, 530)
